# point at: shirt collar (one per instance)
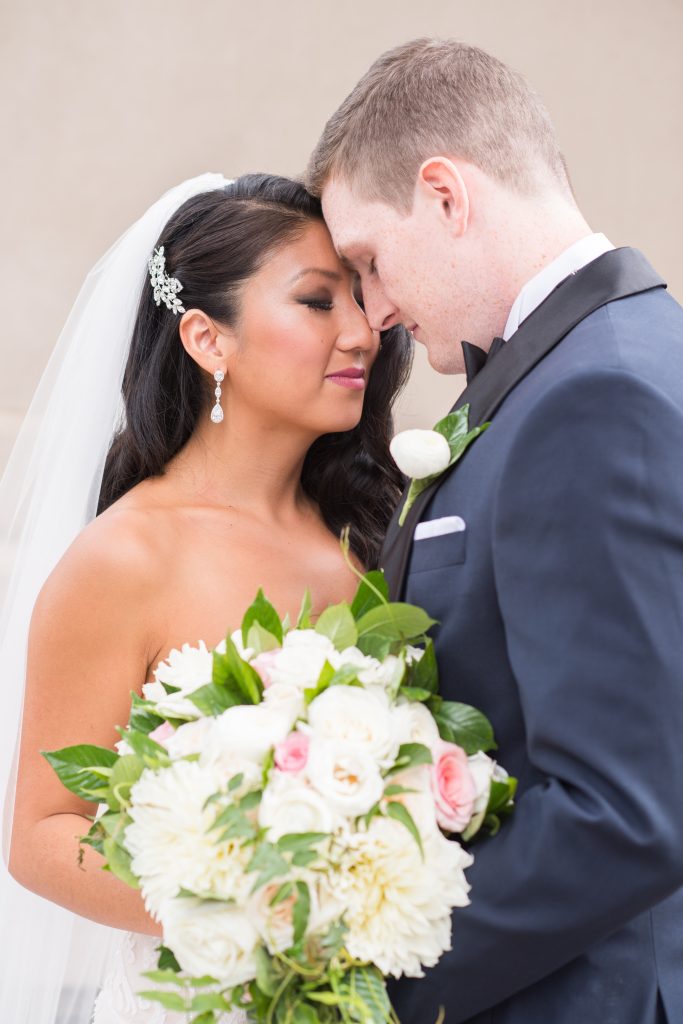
(540, 286)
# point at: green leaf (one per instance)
(424, 674)
(415, 693)
(143, 718)
(260, 640)
(394, 789)
(368, 984)
(268, 765)
(305, 1014)
(171, 1000)
(215, 698)
(302, 858)
(262, 612)
(337, 623)
(463, 725)
(375, 646)
(267, 975)
(125, 774)
(77, 767)
(395, 621)
(410, 755)
(304, 617)
(247, 678)
(373, 590)
(401, 813)
(283, 893)
(346, 675)
(167, 959)
(205, 1018)
(293, 841)
(235, 782)
(301, 911)
(152, 753)
(209, 1001)
(269, 863)
(167, 976)
(118, 862)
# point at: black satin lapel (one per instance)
(615, 275)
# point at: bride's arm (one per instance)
(89, 646)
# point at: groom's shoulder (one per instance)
(639, 337)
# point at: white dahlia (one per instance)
(168, 839)
(187, 670)
(399, 905)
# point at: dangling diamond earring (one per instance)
(217, 412)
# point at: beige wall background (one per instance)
(105, 105)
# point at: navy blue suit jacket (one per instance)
(561, 617)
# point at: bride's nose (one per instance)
(357, 334)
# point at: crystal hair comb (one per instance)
(166, 288)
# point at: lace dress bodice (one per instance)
(118, 1002)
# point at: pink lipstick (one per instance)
(353, 377)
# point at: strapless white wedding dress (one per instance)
(118, 1002)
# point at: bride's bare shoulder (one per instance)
(119, 557)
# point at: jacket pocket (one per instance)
(438, 552)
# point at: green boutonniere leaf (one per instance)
(455, 428)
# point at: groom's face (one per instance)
(405, 268)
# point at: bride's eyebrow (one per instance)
(332, 275)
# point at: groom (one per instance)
(553, 558)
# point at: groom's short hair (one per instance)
(434, 97)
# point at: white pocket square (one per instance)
(439, 527)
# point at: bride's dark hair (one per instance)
(213, 244)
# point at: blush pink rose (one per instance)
(453, 787)
(162, 733)
(291, 754)
(263, 663)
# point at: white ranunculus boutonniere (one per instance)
(423, 455)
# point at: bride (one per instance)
(255, 425)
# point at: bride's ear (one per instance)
(209, 346)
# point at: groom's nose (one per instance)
(380, 311)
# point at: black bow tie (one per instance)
(475, 357)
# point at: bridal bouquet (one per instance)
(284, 804)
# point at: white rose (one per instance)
(356, 716)
(186, 669)
(372, 672)
(248, 731)
(288, 696)
(346, 776)
(289, 805)
(210, 938)
(189, 738)
(299, 661)
(169, 838)
(414, 723)
(420, 453)
(482, 771)
(399, 904)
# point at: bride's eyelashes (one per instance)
(322, 305)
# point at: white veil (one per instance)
(51, 960)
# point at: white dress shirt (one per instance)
(540, 286)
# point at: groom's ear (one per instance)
(203, 341)
(441, 189)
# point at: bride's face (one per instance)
(303, 348)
